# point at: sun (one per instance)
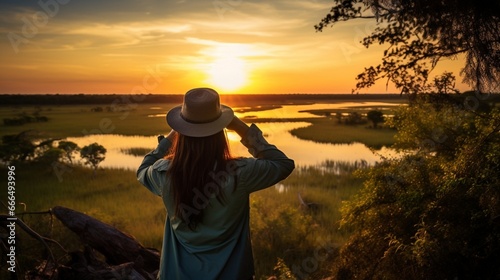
(228, 73)
(227, 67)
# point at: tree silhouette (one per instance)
(422, 32)
(92, 155)
(18, 148)
(433, 212)
(375, 117)
(69, 149)
(50, 156)
(444, 84)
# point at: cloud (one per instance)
(95, 37)
(131, 22)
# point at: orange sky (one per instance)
(129, 46)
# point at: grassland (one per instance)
(326, 130)
(281, 227)
(103, 197)
(80, 120)
(129, 116)
(147, 119)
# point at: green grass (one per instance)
(79, 120)
(326, 130)
(387, 110)
(113, 196)
(281, 228)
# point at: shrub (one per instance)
(433, 214)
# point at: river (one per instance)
(304, 152)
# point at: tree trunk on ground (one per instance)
(117, 246)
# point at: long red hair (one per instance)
(192, 160)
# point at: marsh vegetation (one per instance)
(289, 221)
(323, 219)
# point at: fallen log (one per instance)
(117, 246)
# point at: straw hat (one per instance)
(201, 114)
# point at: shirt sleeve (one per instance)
(146, 172)
(269, 165)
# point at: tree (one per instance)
(92, 155)
(375, 117)
(338, 116)
(50, 156)
(17, 148)
(69, 149)
(434, 212)
(26, 147)
(420, 33)
(445, 83)
(354, 118)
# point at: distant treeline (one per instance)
(231, 99)
(90, 99)
(82, 99)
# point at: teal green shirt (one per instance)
(219, 247)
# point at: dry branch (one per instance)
(117, 246)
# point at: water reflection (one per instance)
(304, 152)
(162, 115)
(298, 111)
(115, 144)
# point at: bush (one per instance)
(354, 118)
(375, 117)
(433, 214)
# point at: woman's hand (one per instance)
(238, 125)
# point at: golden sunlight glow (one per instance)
(228, 71)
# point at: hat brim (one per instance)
(177, 123)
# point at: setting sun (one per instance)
(228, 73)
(239, 47)
(227, 68)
